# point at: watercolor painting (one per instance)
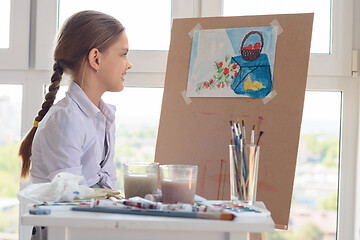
(232, 62)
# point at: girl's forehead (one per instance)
(121, 41)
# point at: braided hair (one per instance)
(80, 33)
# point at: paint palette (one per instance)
(239, 208)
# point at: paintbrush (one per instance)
(243, 131)
(232, 130)
(238, 127)
(253, 135)
(151, 212)
(260, 134)
(242, 153)
(236, 165)
(236, 153)
(216, 215)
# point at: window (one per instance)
(10, 119)
(137, 120)
(147, 23)
(322, 18)
(313, 213)
(14, 39)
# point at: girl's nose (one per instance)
(129, 65)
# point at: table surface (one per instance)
(125, 222)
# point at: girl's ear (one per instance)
(94, 59)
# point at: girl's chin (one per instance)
(121, 88)
(117, 88)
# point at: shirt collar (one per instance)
(87, 107)
(108, 111)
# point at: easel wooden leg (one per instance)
(257, 236)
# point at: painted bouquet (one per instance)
(222, 77)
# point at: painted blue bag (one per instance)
(254, 76)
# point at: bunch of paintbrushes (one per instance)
(244, 162)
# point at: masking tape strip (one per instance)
(186, 99)
(277, 26)
(196, 28)
(270, 96)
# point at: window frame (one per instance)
(324, 74)
(17, 55)
(346, 226)
(341, 44)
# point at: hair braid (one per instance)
(26, 145)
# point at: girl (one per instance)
(77, 134)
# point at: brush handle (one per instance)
(151, 212)
(216, 215)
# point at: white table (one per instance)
(67, 224)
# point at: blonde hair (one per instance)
(80, 33)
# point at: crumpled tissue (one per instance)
(64, 187)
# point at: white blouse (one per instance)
(76, 137)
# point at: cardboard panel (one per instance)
(199, 132)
